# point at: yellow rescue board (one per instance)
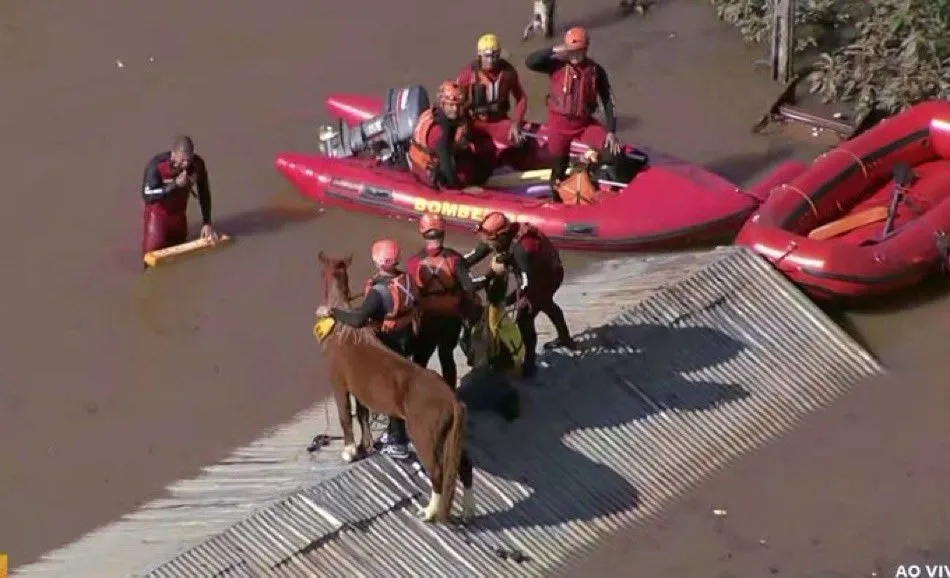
(154, 258)
(848, 224)
(516, 179)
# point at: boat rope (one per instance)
(802, 194)
(857, 159)
(792, 245)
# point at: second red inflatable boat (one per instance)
(867, 218)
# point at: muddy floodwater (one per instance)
(114, 384)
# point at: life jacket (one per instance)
(573, 90)
(578, 189)
(504, 331)
(439, 291)
(537, 246)
(421, 156)
(404, 297)
(497, 92)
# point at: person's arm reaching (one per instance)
(476, 255)
(369, 311)
(464, 277)
(607, 98)
(519, 260)
(544, 61)
(204, 192)
(521, 99)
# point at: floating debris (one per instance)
(119, 63)
(719, 512)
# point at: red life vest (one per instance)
(421, 156)
(405, 302)
(497, 90)
(435, 276)
(539, 248)
(573, 90)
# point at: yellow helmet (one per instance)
(488, 44)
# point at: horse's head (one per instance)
(336, 280)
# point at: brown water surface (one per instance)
(115, 383)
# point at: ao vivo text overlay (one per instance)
(922, 571)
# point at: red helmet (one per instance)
(451, 92)
(385, 253)
(576, 39)
(493, 225)
(431, 223)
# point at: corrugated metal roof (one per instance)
(662, 396)
(275, 465)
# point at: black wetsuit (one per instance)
(159, 186)
(440, 332)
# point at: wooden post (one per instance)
(783, 40)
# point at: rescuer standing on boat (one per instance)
(446, 297)
(171, 178)
(491, 82)
(443, 152)
(576, 82)
(391, 306)
(527, 252)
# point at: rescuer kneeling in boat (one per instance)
(446, 297)
(171, 178)
(525, 251)
(576, 82)
(391, 307)
(444, 152)
(491, 82)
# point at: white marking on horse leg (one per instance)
(430, 511)
(350, 452)
(468, 504)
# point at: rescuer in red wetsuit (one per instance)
(576, 82)
(171, 177)
(444, 152)
(525, 251)
(491, 82)
(446, 297)
(391, 307)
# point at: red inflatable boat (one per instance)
(867, 218)
(361, 166)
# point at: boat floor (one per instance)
(930, 189)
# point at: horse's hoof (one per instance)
(350, 453)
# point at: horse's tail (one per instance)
(452, 457)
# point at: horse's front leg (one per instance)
(366, 434)
(343, 407)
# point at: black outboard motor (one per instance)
(619, 169)
(386, 135)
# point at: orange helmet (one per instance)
(493, 225)
(431, 223)
(576, 39)
(451, 92)
(385, 253)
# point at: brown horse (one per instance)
(387, 383)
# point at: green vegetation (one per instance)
(871, 54)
